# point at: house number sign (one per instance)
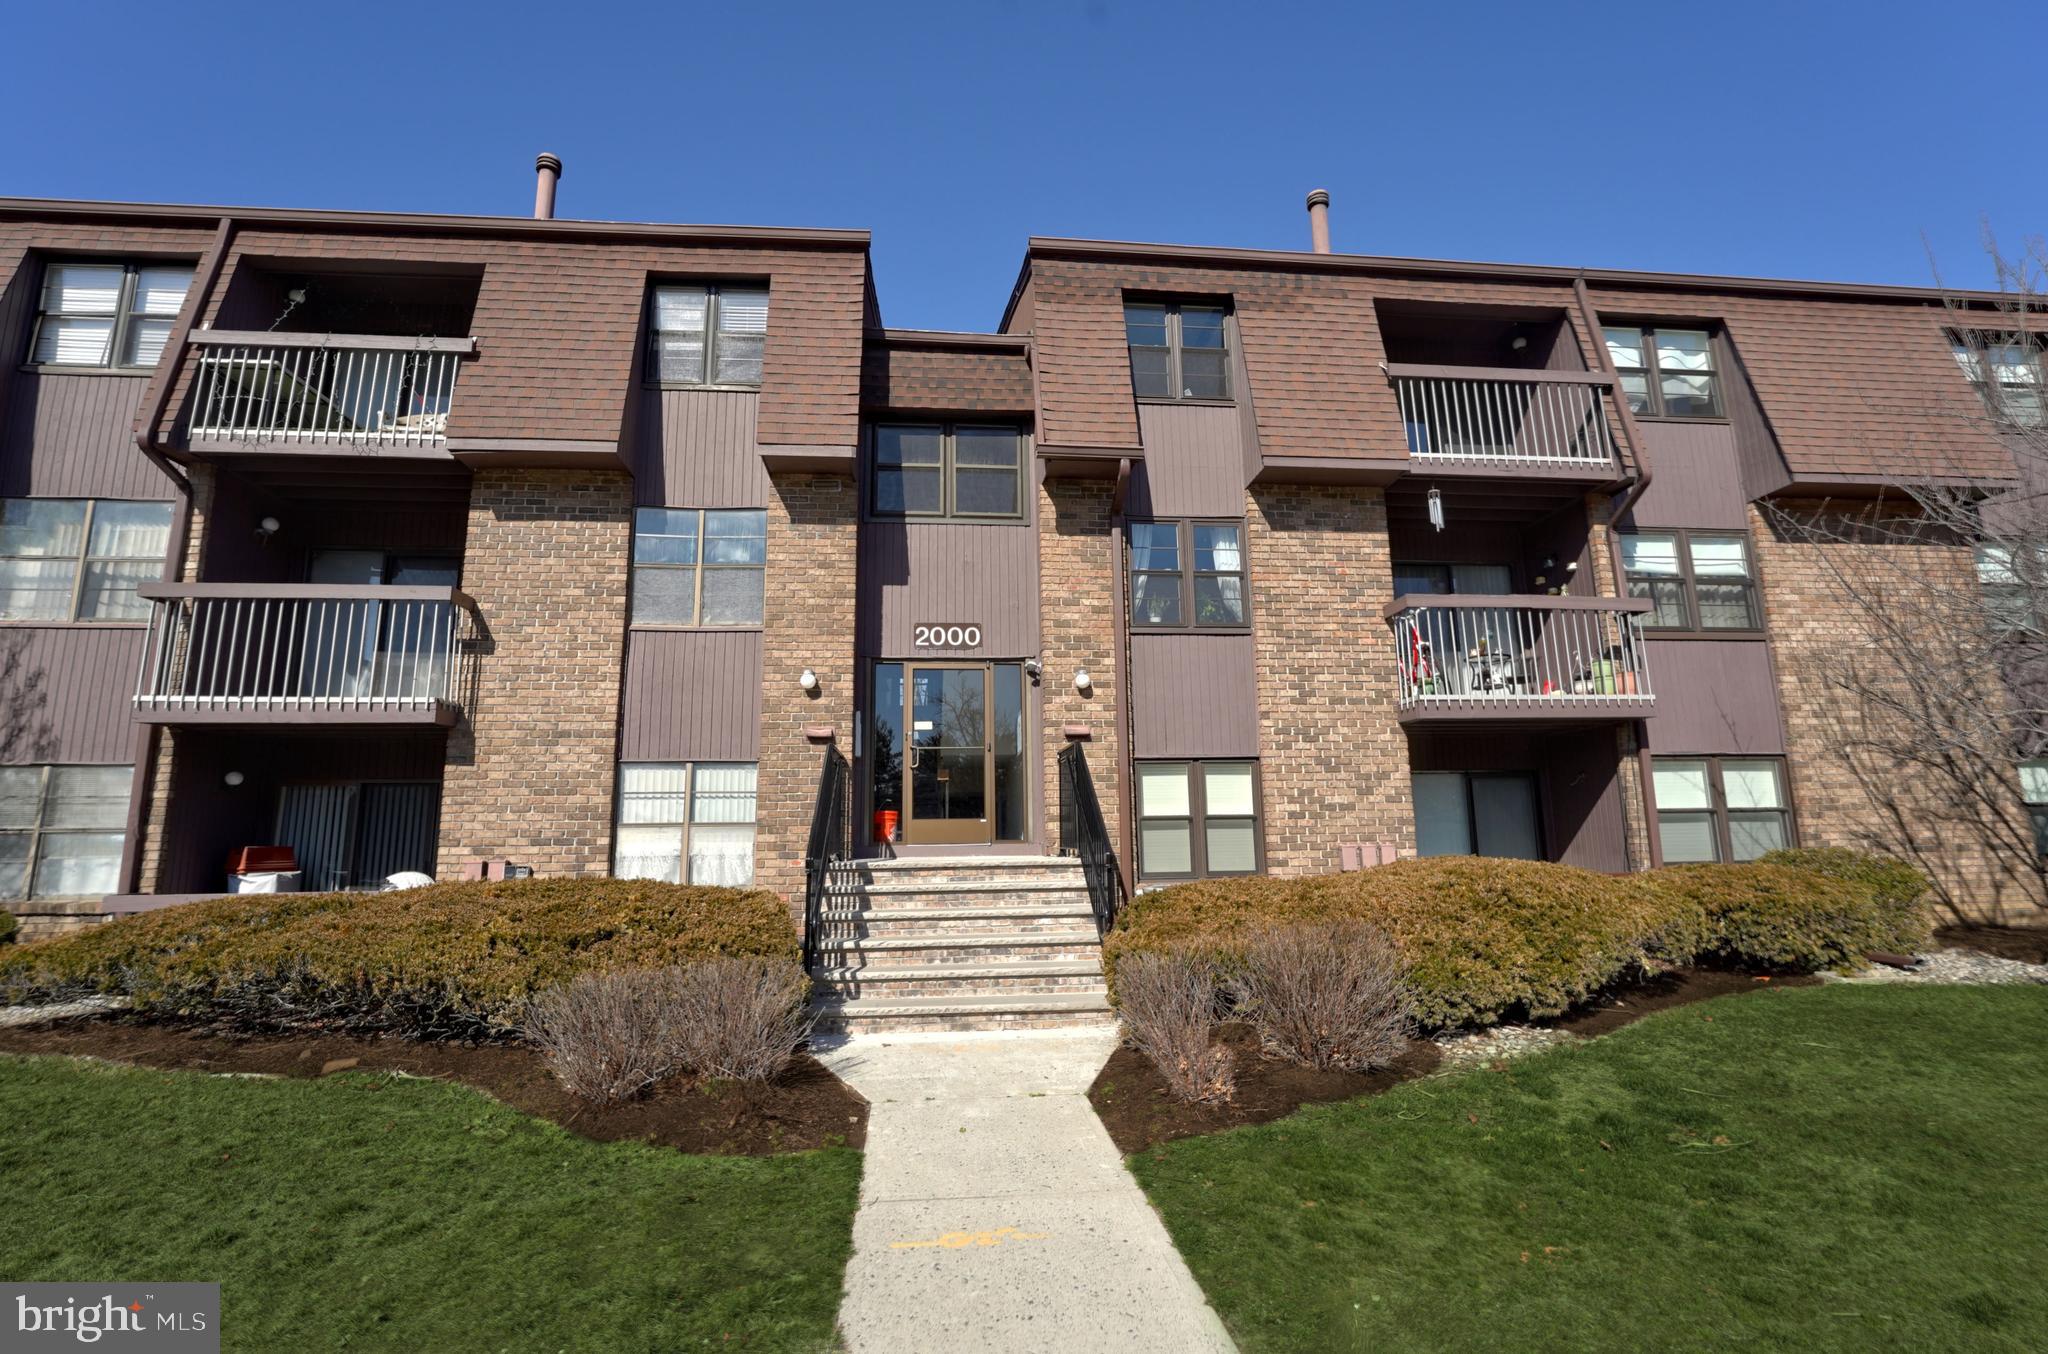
(946, 636)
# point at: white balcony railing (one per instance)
(350, 390)
(280, 652)
(1502, 416)
(1519, 654)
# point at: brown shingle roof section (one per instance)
(946, 373)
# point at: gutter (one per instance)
(1591, 317)
(1127, 762)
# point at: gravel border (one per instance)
(62, 1010)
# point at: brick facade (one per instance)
(1080, 571)
(1334, 762)
(813, 525)
(532, 766)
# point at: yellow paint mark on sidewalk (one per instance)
(954, 1241)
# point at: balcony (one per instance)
(1518, 659)
(305, 654)
(323, 392)
(1496, 418)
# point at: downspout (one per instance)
(1126, 767)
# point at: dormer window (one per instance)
(115, 315)
(2008, 373)
(1180, 350)
(1666, 373)
(707, 334)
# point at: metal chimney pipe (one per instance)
(547, 169)
(1319, 221)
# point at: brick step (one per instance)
(917, 886)
(1021, 979)
(960, 869)
(868, 1015)
(942, 950)
(893, 923)
(1024, 900)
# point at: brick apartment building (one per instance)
(422, 543)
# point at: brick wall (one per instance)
(532, 766)
(1334, 759)
(813, 521)
(1080, 569)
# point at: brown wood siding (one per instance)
(691, 696)
(1194, 696)
(72, 436)
(915, 573)
(66, 692)
(1193, 464)
(1714, 696)
(1695, 477)
(1584, 822)
(699, 449)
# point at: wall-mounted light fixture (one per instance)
(268, 527)
(232, 779)
(1033, 668)
(1082, 681)
(808, 681)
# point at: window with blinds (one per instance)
(108, 314)
(707, 334)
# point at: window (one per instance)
(61, 829)
(698, 328)
(108, 314)
(1197, 819)
(947, 470)
(1667, 373)
(1696, 580)
(1720, 808)
(686, 823)
(1477, 813)
(1179, 350)
(2034, 794)
(698, 566)
(76, 559)
(2010, 586)
(2007, 372)
(1187, 574)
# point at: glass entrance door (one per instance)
(949, 774)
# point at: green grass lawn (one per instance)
(1835, 1168)
(370, 1212)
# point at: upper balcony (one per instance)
(1520, 659)
(243, 654)
(257, 391)
(1505, 418)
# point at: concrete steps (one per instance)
(959, 943)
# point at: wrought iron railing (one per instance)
(1519, 653)
(324, 389)
(309, 649)
(1084, 834)
(830, 844)
(1504, 416)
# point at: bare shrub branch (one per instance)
(1329, 996)
(737, 1017)
(604, 1035)
(1167, 1002)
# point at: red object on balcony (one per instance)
(262, 860)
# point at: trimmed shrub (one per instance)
(8, 926)
(1327, 995)
(1775, 916)
(736, 1017)
(456, 960)
(1478, 937)
(1167, 1002)
(1901, 891)
(604, 1034)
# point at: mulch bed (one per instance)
(2028, 944)
(1131, 1099)
(806, 1107)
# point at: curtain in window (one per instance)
(722, 825)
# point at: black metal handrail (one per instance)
(830, 843)
(1083, 833)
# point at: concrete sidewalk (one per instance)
(995, 1211)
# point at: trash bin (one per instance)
(267, 881)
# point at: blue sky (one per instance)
(1791, 139)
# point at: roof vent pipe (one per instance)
(547, 169)
(1319, 221)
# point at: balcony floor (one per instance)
(436, 714)
(1534, 711)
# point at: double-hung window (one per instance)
(1697, 580)
(1187, 575)
(77, 559)
(1666, 373)
(116, 315)
(699, 566)
(1197, 819)
(1180, 350)
(965, 471)
(2008, 374)
(707, 334)
(61, 829)
(686, 822)
(1720, 808)
(2010, 583)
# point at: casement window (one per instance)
(79, 559)
(61, 829)
(686, 822)
(1180, 350)
(699, 566)
(1666, 373)
(1197, 819)
(2034, 794)
(707, 334)
(2008, 374)
(1720, 808)
(116, 315)
(1698, 580)
(959, 470)
(1187, 575)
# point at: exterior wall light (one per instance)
(233, 778)
(268, 527)
(808, 681)
(1082, 681)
